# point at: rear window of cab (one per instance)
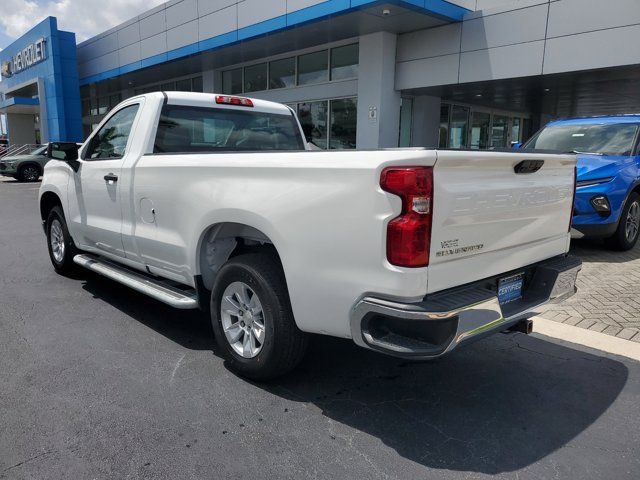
(187, 129)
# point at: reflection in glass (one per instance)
(232, 81)
(344, 120)
(313, 68)
(443, 141)
(313, 119)
(499, 131)
(515, 130)
(344, 62)
(282, 73)
(255, 78)
(458, 127)
(480, 130)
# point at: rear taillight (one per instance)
(409, 235)
(236, 101)
(573, 203)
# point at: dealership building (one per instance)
(360, 73)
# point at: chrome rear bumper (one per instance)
(444, 320)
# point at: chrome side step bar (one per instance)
(140, 282)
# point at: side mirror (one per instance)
(65, 152)
(516, 145)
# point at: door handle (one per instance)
(111, 178)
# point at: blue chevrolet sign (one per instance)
(40, 75)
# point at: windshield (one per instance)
(39, 151)
(613, 139)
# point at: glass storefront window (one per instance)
(313, 68)
(499, 131)
(480, 124)
(344, 119)
(167, 87)
(406, 115)
(458, 127)
(114, 100)
(515, 130)
(232, 81)
(86, 107)
(313, 119)
(197, 84)
(103, 105)
(183, 85)
(255, 78)
(282, 73)
(443, 141)
(344, 62)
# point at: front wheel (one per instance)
(252, 318)
(628, 229)
(29, 173)
(61, 247)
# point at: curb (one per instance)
(588, 338)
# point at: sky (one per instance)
(84, 17)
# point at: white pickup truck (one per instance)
(217, 202)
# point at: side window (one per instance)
(111, 140)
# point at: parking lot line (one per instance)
(587, 338)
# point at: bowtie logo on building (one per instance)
(6, 69)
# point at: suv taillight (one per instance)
(409, 235)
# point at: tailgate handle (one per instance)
(528, 166)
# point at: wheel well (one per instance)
(223, 241)
(47, 202)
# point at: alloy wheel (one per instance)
(57, 240)
(31, 174)
(242, 319)
(632, 224)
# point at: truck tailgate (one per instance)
(494, 214)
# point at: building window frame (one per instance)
(493, 112)
(329, 49)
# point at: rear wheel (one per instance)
(29, 173)
(628, 229)
(252, 318)
(61, 247)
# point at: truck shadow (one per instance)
(496, 406)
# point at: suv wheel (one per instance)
(252, 318)
(61, 247)
(29, 173)
(628, 229)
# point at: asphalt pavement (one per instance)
(97, 381)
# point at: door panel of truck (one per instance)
(95, 197)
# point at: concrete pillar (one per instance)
(426, 122)
(378, 100)
(21, 128)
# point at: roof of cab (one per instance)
(601, 120)
(209, 100)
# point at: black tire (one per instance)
(284, 344)
(64, 264)
(29, 173)
(621, 240)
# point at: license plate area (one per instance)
(510, 288)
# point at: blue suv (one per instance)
(608, 183)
